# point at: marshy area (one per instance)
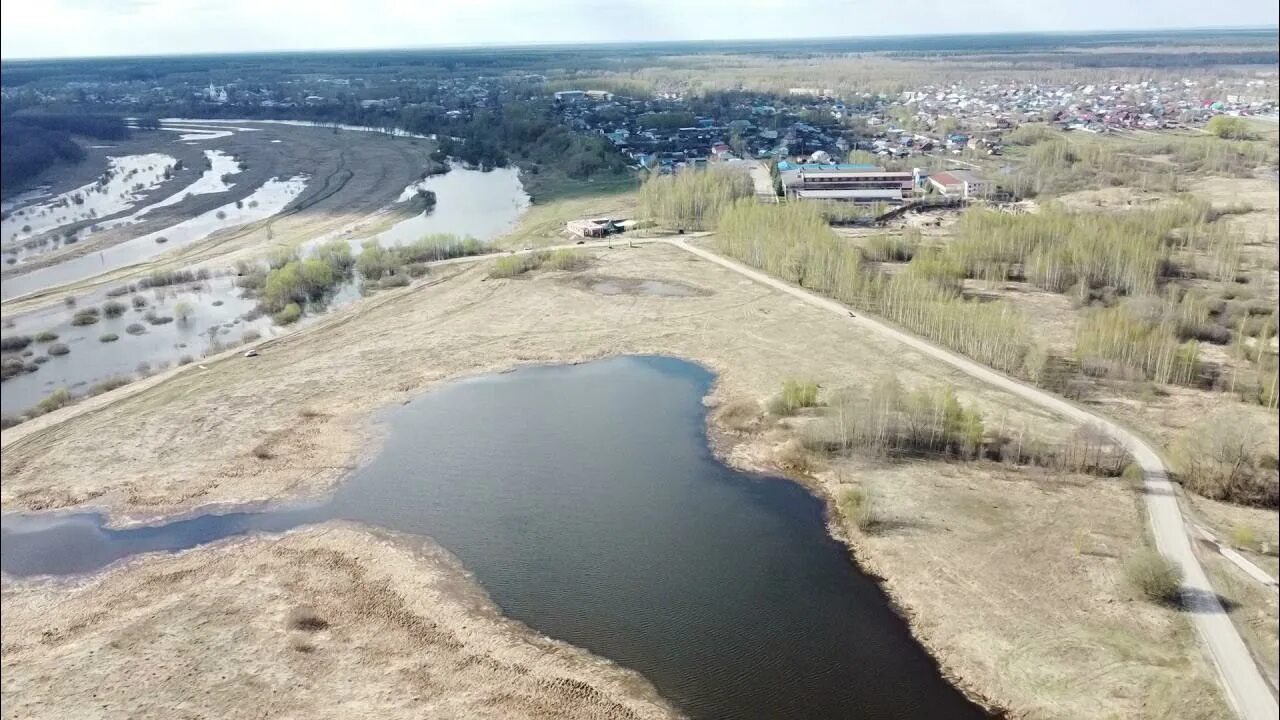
(168, 312)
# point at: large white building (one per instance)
(845, 182)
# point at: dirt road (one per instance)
(1245, 687)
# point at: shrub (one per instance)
(262, 450)
(568, 260)
(59, 349)
(1231, 128)
(14, 343)
(157, 319)
(161, 278)
(108, 337)
(109, 384)
(1244, 537)
(11, 367)
(290, 314)
(307, 619)
(1154, 576)
(118, 290)
(138, 302)
(87, 316)
(740, 415)
(856, 507)
(376, 261)
(136, 329)
(393, 281)
(45, 336)
(795, 395)
(1224, 457)
(54, 400)
(795, 457)
(186, 360)
(113, 308)
(433, 248)
(1133, 474)
(183, 311)
(249, 336)
(514, 265)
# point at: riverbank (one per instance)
(329, 621)
(289, 423)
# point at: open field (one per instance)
(330, 621)
(188, 439)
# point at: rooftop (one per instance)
(787, 165)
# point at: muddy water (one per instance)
(215, 318)
(267, 200)
(469, 203)
(210, 181)
(585, 500)
(482, 205)
(126, 179)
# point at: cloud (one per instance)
(129, 27)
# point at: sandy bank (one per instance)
(330, 621)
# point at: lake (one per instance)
(586, 501)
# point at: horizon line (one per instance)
(636, 43)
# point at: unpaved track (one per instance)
(1245, 687)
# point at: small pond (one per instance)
(586, 501)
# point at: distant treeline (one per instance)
(1133, 59)
(35, 141)
(489, 60)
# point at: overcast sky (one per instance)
(72, 28)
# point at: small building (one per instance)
(593, 228)
(960, 184)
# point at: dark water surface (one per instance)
(586, 501)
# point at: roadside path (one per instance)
(1246, 689)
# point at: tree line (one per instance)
(34, 142)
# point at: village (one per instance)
(667, 131)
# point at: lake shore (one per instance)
(292, 421)
(328, 621)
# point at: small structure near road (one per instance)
(599, 227)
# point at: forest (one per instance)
(34, 142)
